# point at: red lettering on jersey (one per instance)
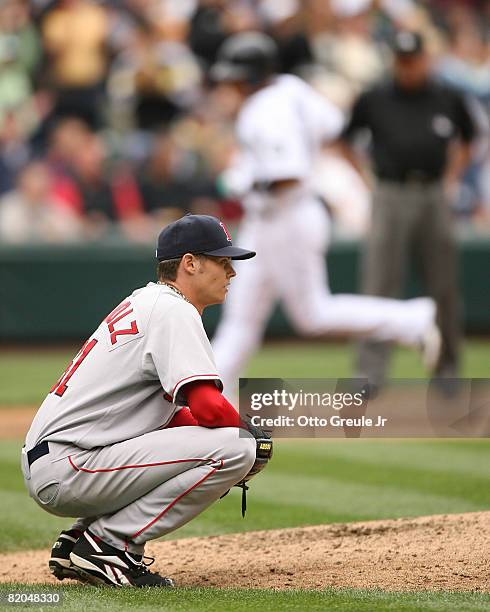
(131, 331)
(225, 229)
(121, 311)
(61, 385)
(118, 313)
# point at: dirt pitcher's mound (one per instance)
(448, 552)
(15, 422)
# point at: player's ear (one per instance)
(190, 263)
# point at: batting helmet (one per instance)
(249, 56)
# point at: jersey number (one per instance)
(61, 385)
(123, 310)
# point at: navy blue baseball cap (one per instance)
(198, 234)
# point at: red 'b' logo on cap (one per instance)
(225, 229)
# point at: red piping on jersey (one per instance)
(139, 465)
(189, 378)
(176, 500)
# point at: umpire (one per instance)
(421, 138)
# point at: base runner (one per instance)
(281, 126)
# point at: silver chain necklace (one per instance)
(175, 290)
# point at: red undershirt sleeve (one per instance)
(182, 418)
(208, 406)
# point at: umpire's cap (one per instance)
(407, 43)
(198, 234)
(248, 56)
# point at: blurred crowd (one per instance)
(109, 125)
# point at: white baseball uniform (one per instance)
(280, 129)
(111, 461)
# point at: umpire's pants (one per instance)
(412, 219)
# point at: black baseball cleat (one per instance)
(60, 564)
(102, 564)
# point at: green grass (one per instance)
(311, 360)
(200, 599)
(309, 482)
(27, 376)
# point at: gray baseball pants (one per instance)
(143, 488)
(412, 219)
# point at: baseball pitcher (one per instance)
(135, 438)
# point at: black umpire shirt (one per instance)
(411, 130)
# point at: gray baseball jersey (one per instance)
(125, 380)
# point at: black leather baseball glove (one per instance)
(263, 454)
